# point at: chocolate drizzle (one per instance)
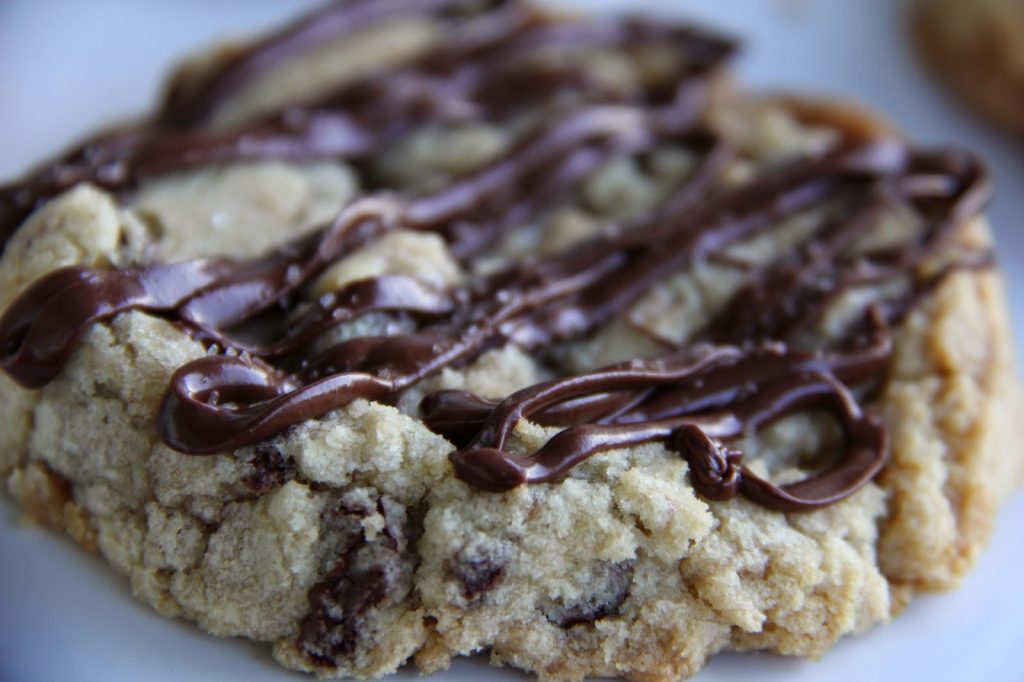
(685, 402)
(745, 370)
(455, 82)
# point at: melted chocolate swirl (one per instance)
(744, 371)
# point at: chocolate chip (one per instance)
(612, 588)
(337, 605)
(476, 575)
(366, 573)
(269, 468)
(394, 522)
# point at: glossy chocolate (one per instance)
(743, 371)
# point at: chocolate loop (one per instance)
(866, 452)
(714, 470)
(727, 395)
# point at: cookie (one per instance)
(425, 327)
(976, 48)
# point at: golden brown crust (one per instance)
(967, 449)
(46, 498)
(855, 120)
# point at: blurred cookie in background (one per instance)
(977, 48)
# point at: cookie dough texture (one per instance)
(348, 539)
(977, 47)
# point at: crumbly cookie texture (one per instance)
(977, 47)
(347, 542)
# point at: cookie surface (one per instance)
(538, 589)
(977, 47)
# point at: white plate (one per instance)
(67, 66)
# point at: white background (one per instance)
(68, 65)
